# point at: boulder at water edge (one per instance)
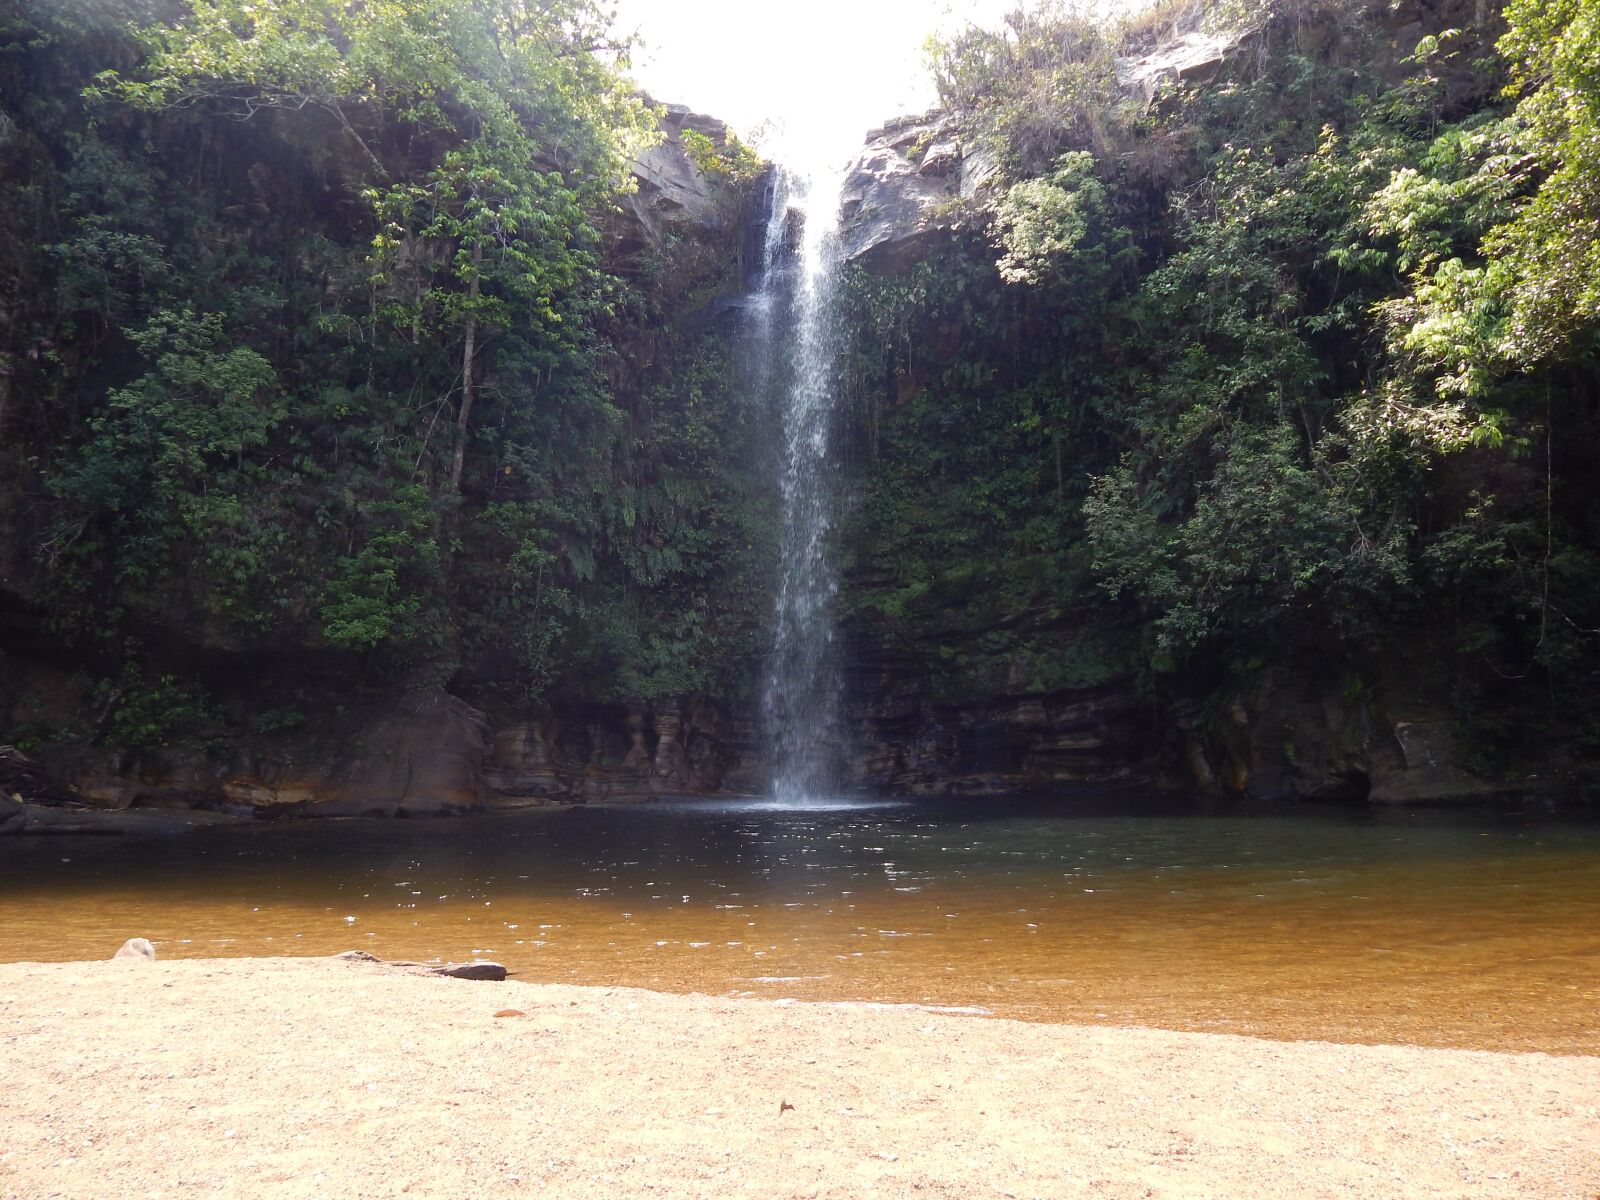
(136, 948)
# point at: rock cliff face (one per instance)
(902, 186)
(1293, 735)
(416, 754)
(423, 752)
(1192, 58)
(671, 190)
(681, 746)
(899, 186)
(909, 743)
(1301, 737)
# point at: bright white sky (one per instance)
(825, 71)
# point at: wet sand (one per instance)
(301, 1078)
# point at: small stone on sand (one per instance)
(136, 948)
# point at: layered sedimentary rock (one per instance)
(901, 189)
(417, 752)
(670, 189)
(901, 184)
(1192, 58)
(1300, 735)
(677, 746)
(915, 745)
(976, 719)
(427, 752)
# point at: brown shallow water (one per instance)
(1432, 929)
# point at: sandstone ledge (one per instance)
(289, 1078)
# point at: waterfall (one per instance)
(798, 336)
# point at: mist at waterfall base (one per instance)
(793, 350)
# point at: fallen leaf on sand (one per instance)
(511, 1012)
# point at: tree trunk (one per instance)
(468, 353)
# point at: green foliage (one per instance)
(151, 711)
(169, 465)
(381, 592)
(1551, 247)
(324, 352)
(483, 73)
(279, 720)
(1499, 225)
(484, 235)
(1039, 223)
(1042, 83)
(322, 346)
(730, 160)
(1273, 370)
(1270, 539)
(29, 736)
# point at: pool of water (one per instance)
(1452, 929)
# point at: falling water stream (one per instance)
(798, 350)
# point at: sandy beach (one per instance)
(303, 1078)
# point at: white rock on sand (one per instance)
(299, 1078)
(136, 948)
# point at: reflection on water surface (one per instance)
(1431, 928)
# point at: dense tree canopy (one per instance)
(1291, 366)
(319, 339)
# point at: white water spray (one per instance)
(798, 336)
